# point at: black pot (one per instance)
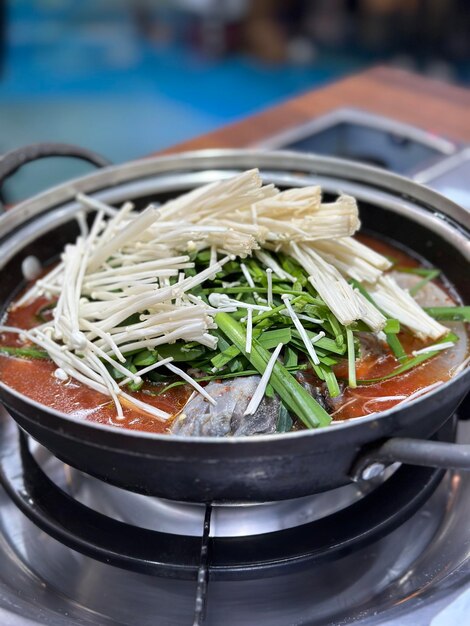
(262, 468)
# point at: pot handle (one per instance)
(11, 161)
(412, 452)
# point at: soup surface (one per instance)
(35, 377)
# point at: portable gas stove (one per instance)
(75, 550)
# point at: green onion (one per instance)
(255, 270)
(323, 357)
(24, 352)
(326, 360)
(325, 343)
(225, 356)
(237, 365)
(268, 340)
(318, 371)
(293, 268)
(292, 394)
(145, 358)
(392, 327)
(291, 358)
(180, 352)
(271, 338)
(351, 359)
(410, 363)
(418, 271)
(326, 373)
(260, 290)
(449, 313)
(221, 376)
(284, 420)
(336, 328)
(395, 346)
(422, 283)
(267, 314)
(135, 386)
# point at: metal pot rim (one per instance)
(281, 160)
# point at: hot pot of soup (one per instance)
(236, 325)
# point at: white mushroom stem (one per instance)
(398, 304)
(263, 383)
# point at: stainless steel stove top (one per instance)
(363, 136)
(416, 574)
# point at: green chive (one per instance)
(410, 363)
(28, 352)
(292, 394)
(422, 283)
(284, 420)
(392, 327)
(180, 352)
(351, 359)
(326, 373)
(145, 358)
(291, 358)
(417, 271)
(449, 313)
(269, 339)
(222, 376)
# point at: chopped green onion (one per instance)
(290, 266)
(392, 327)
(292, 394)
(144, 358)
(284, 420)
(449, 313)
(255, 269)
(418, 271)
(351, 359)
(260, 290)
(268, 340)
(291, 358)
(301, 330)
(326, 373)
(395, 346)
(249, 330)
(224, 357)
(180, 352)
(221, 376)
(422, 283)
(267, 314)
(336, 327)
(325, 343)
(410, 363)
(271, 338)
(25, 352)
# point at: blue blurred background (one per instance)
(126, 78)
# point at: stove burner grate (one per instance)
(230, 558)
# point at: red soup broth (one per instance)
(35, 378)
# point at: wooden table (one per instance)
(428, 104)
